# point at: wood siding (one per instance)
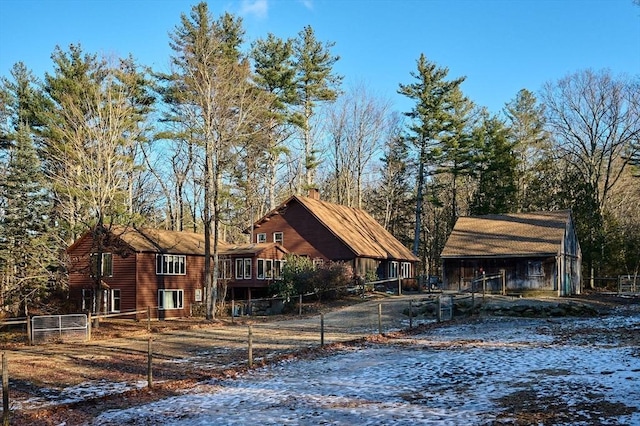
(303, 235)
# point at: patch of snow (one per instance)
(421, 380)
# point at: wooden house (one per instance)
(328, 232)
(534, 252)
(164, 270)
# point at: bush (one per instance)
(300, 276)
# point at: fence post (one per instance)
(148, 319)
(439, 309)
(233, 311)
(503, 273)
(5, 390)
(379, 318)
(321, 329)
(88, 325)
(399, 285)
(149, 364)
(250, 350)
(410, 314)
(484, 287)
(300, 305)
(29, 336)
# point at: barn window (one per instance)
(535, 269)
(170, 299)
(261, 238)
(393, 269)
(278, 237)
(107, 264)
(171, 264)
(405, 270)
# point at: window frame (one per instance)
(248, 268)
(261, 237)
(405, 270)
(535, 268)
(170, 262)
(392, 270)
(107, 259)
(179, 299)
(279, 234)
(114, 298)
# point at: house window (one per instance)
(239, 265)
(534, 269)
(393, 269)
(107, 264)
(87, 299)
(198, 295)
(171, 264)
(266, 269)
(115, 300)
(261, 238)
(405, 270)
(277, 269)
(318, 262)
(247, 269)
(243, 269)
(170, 299)
(278, 237)
(224, 269)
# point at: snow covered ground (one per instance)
(492, 371)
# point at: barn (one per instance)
(516, 253)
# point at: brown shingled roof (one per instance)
(161, 241)
(357, 229)
(510, 235)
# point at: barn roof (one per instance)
(355, 228)
(509, 235)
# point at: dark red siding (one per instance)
(304, 235)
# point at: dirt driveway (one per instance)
(71, 382)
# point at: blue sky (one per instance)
(501, 46)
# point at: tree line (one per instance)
(236, 126)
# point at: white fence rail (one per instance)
(48, 328)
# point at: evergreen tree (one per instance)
(27, 257)
(496, 168)
(391, 201)
(525, 118)
(275, 74)
(214, 95)
(431, 121)
(315, 83)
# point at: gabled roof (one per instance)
(161, 241)
(509, 235)
(148, 240)
(354, 227)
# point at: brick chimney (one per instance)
(314, 193)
